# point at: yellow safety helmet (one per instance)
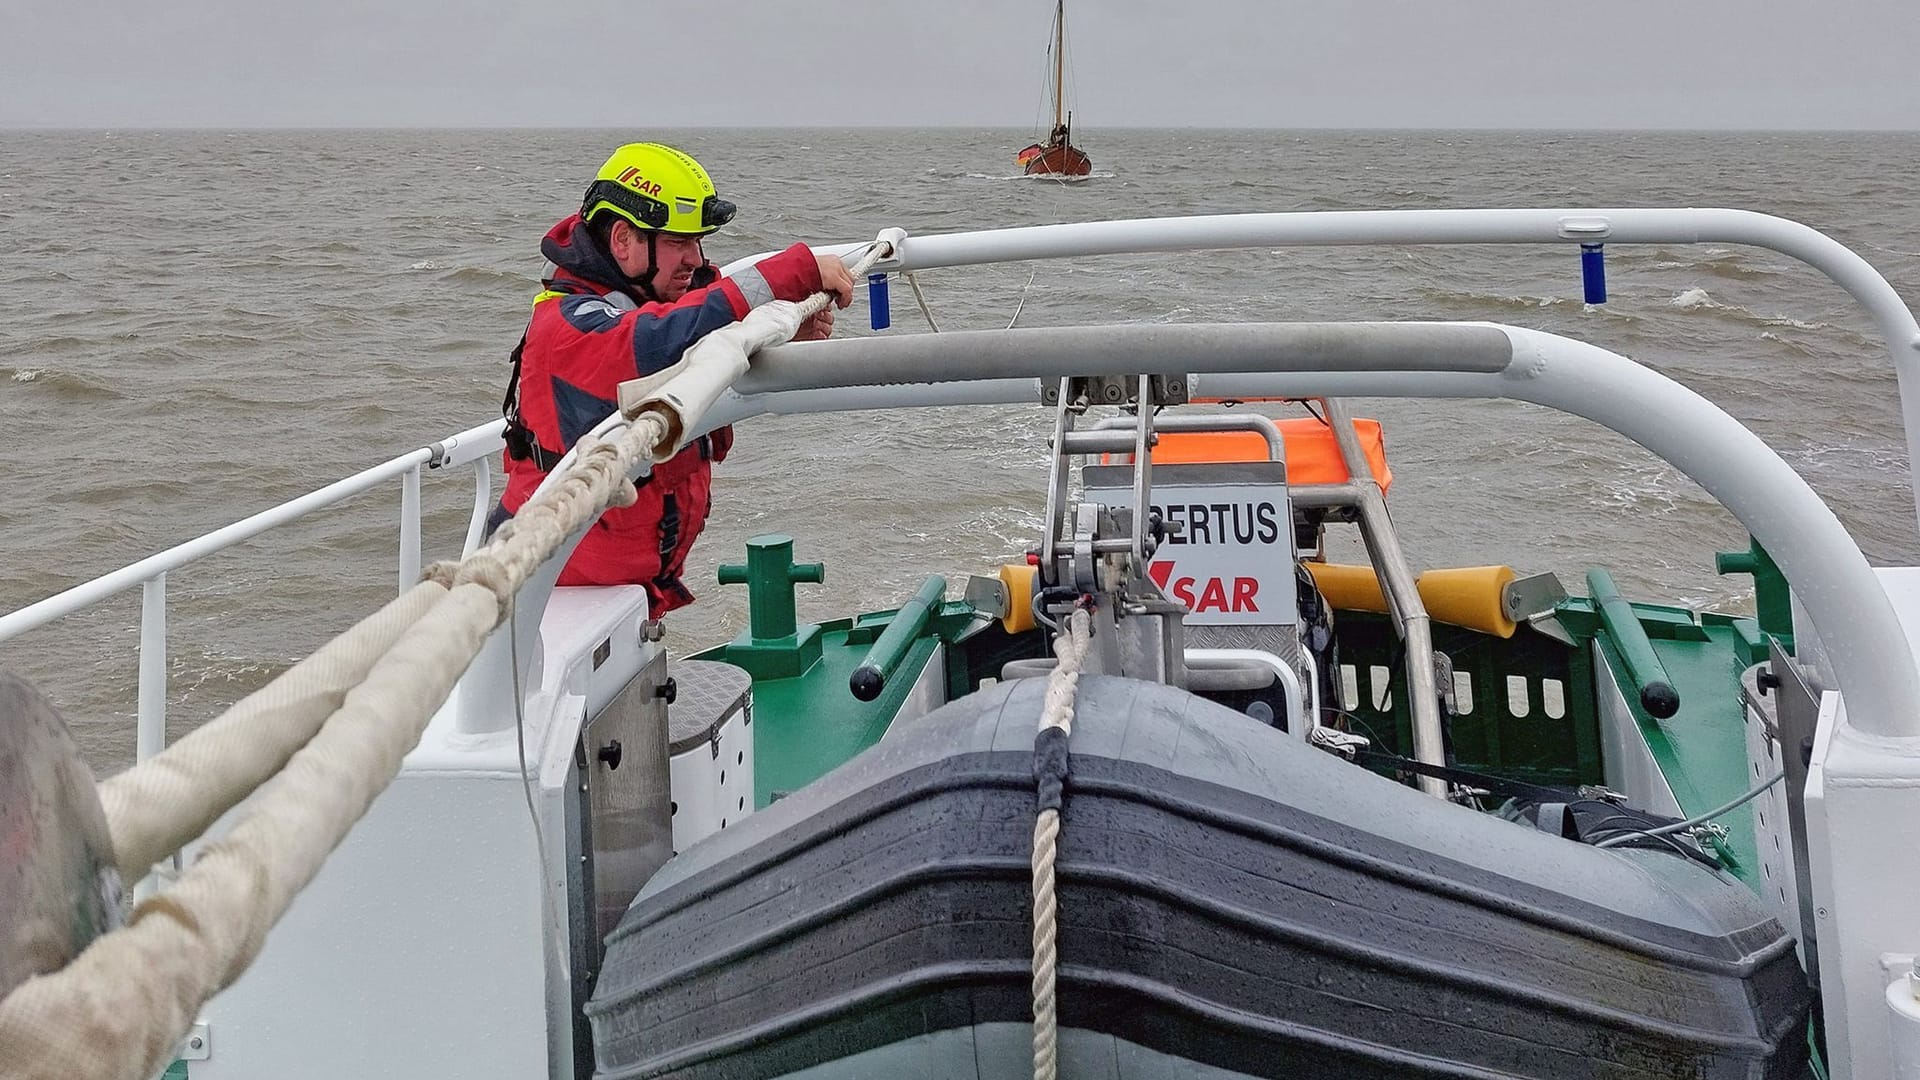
(657, 187)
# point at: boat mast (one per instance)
(1059, 63)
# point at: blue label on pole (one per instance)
(881, 316)
(1593, 273)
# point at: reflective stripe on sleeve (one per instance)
(753, 285)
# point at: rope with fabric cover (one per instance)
(313, 749)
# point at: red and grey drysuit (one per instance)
(589, 333)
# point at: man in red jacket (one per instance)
(629, 290)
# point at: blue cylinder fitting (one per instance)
(1593, 272)
(882, 315)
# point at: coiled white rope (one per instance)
(315, 747)
(1050, 760)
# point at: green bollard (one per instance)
(1772, 599)
(774, 646)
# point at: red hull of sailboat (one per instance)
(1057, 161)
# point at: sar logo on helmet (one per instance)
(633, 179)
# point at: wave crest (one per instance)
(65, 386)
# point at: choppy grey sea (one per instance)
(195, 326)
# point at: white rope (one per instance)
(117, 1010)
(920, 297)
(1022, 305)
(1071, 648)
(319, 744)
(155, 809)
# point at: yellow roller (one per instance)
(1018, 578)
(1469, 596)
(1348, 588)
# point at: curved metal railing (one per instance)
(471, 447)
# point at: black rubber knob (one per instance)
(668, 691)
(866, 683)
(1660, 700)
(610, 754)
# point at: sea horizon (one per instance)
(191, 128)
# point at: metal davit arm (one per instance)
(1403, 595)
(1867, 644)
(1383, 548)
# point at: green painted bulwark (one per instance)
(1701, 749)
(1524, 705)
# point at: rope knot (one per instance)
(485, 569)
(442, 573)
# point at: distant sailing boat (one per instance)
(1057, 156)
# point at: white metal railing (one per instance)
(1340, 228)
(472, 447)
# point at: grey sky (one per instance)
(1135, 63)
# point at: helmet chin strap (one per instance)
(645, 280)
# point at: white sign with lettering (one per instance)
(1232, 561)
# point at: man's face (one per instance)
(676, 257)
(679, 257)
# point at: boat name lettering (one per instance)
(1222, 522)
(1231, 560)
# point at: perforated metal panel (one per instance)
(711, 743)
(1779, 718)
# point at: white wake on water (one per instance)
(1694, 299)
(1698, 299)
